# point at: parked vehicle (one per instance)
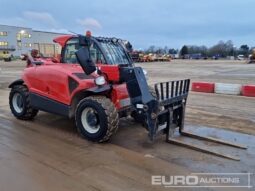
(240, 57)
(6, 56)
(252, 57)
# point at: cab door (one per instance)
(68, 52)
(51, 82)
(72, 45)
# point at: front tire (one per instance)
(96, 118)
(19, 102)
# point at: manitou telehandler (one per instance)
(96, 82)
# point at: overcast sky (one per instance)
(142, 22)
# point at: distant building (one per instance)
(19, 40)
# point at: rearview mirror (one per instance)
(83, 57)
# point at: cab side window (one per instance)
(69, 52)
(73, 45)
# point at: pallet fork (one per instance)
(166, 112)
(176, 111)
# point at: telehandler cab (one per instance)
(96, 82)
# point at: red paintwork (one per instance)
(206, 87)
(111, 71)
(51, 78)
(61, 40)
(119, 92)
(248, 90)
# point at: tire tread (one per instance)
(30, 112)
(111, 113)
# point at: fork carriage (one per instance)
(166, 112)
(172, 96)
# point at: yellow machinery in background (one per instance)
(5, 55)
(252, 57)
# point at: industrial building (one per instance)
(16, 40)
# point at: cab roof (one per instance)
(61, 40)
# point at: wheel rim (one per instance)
(90, 120)
(18, 102)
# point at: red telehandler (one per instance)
(96, 82)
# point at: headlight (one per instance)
(100, 80)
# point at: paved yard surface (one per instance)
(48, 154)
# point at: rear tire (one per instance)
(96, 118)
(19, 102)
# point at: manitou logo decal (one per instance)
(220, 180)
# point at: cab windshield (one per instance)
(114, 52)
(101, 52)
